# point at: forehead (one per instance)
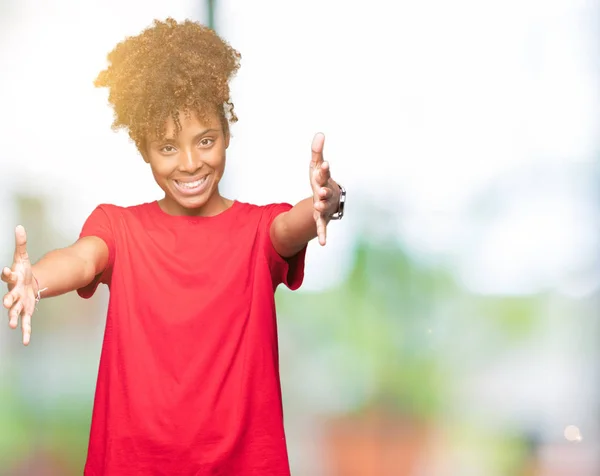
(190, 123)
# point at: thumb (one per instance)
(317, 150)
(21, 255)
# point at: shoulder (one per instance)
(259, 217)
(129, 209)
(112, 217)
(112, 210)
(266, 210)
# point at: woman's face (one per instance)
(188, 165)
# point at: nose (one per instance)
(189, 161)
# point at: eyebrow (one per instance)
(196, 137)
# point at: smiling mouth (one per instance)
(194, 184)
(191, 187)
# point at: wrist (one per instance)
(336, 189)
(35, 285)
(339, 198)
(37, 291)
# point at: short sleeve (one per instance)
(289, 271)
(99, 225)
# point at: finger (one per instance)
(29, 307)
(13, 296)
(324, 173)
(317, 150)
(21, 245)
(325, 193)
(26, 326)
(10, 298)
(13, 315)
(8, 276)
(321, 175)
(322, 206)
(321, 230)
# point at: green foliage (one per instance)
(382, 323)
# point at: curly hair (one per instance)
(168, 68)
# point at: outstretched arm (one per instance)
(292, 230)
(58, 272)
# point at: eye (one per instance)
(167, 149)
(205, 142)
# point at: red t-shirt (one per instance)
(188, 382)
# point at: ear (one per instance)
(225, 129)
(143, 152)
(227, 138)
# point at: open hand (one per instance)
(21, 297)
(326, 193)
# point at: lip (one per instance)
(183, 190)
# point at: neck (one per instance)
(214, 205)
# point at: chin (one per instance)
(192, 203)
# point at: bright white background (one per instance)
(426, 106)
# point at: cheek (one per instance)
(155, 170)
(217, 161)
(157, 176)
(160, 168)
(160, 175)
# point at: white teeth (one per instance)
(191, 185)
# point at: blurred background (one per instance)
(450, 326)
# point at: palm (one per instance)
(20, 299)
(325, 194)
